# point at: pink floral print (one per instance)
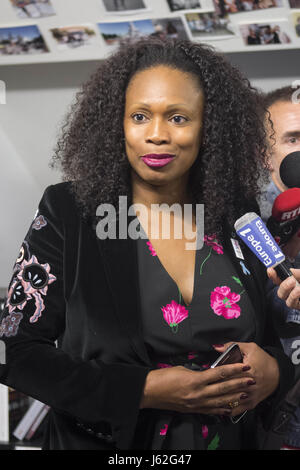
(224, 302)
(164, 430)
(162, 365)
(191, 355)
(204, 431)
(152, 251)
(213, 242)
(174, 314)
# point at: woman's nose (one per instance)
(157, 131)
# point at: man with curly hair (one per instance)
(284, 139)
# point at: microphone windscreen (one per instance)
(286, 206)
(289, 170)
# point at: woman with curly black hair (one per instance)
(140, 317)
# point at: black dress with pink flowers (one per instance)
(180, 334)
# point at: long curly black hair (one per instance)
(225, 177)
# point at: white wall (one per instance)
(37, 99)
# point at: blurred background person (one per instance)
(284, 138)
(253, 36)
(280, 37)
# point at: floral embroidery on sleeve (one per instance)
(174, 314)
(10, 324)
(30, 282)
(39, 222)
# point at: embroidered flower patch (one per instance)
(39, 222)
(10, 324)
(31, 282)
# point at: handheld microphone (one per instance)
(289, 170)
(251, 229)
(285, 219)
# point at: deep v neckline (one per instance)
(181, 298)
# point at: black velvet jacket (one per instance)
(71, 288)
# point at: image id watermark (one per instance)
(296, 93)
(2, 92)
(164, 221)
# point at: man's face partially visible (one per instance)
(285, 116)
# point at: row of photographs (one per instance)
(203, 26)
(42, 8)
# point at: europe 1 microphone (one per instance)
(251, 229)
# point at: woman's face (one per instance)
(162, 124)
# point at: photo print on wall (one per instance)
(124, 6)
(208, 25)
(24, 40)
(273, 32)
(33, 8)
(72, 37)
(294, 3)
(223, 7)
(176, 5)
(296, 23)
(114, 33)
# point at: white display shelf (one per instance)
(91, 12)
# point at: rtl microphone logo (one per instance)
(256, 236)
(290, 215)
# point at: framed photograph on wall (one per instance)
(208, 25)
(176, 5)
(223, 7)
(115, 32)
(73, 37)
(124, 6)
(33, 8)
(294, 3)
(296, 23)
(269, 32)
(26, 40)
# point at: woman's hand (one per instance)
(212, 391)
(289, 289)
(208, 392)
(264, 372)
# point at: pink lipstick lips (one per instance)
(159, 160)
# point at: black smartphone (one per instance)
(232, 355)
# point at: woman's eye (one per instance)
(138, 117)
(293, 140)
(179, 119)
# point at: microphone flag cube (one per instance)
(252, 230)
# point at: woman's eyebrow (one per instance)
(175, 105)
